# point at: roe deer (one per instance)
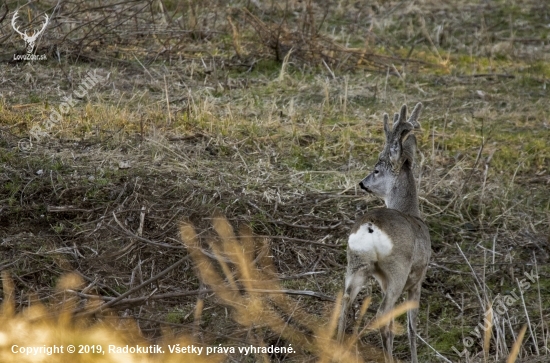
(393, 243)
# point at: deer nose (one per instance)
(364, 187)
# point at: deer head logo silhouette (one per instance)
(30, 40)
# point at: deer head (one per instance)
(392, 177)
(29, 40)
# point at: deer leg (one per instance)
(413, 295)
(393, 291)
(353, 284)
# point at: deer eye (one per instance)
(376, 171)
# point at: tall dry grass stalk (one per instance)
(235, 37)
(488, 328)
(56, 325)
(240, 270)
(517, 346)
(244, 277)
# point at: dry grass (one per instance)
(241, 273)
(55, 327)
(196, 115)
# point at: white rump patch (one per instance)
(370, 238)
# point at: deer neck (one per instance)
(403, 195)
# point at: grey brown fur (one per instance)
(404, 268)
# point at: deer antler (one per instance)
(24, 35)
(36, 34)
(400, 143)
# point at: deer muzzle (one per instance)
(364, 187)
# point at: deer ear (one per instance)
(397, 148)
(409, 149)
(395, 154)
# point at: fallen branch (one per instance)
(140, 286)
(117, 301)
